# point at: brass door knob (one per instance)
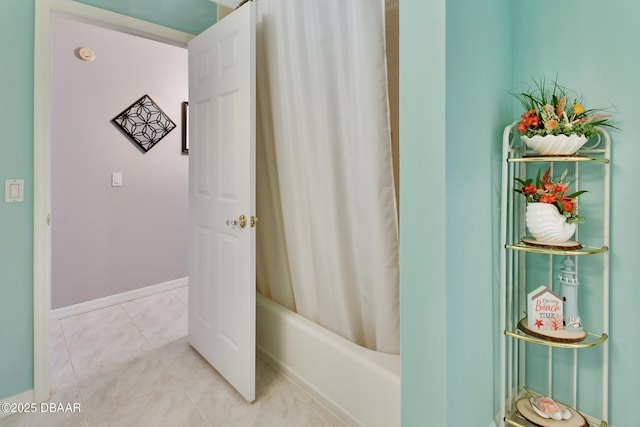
(240, 222)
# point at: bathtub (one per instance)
(359, 385)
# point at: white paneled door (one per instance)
(222, 197)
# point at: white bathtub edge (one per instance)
(359, 385)
(296, 378)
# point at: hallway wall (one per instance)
(107, 240)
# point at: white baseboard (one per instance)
(26, 397)
(108, 301)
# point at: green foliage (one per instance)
(550, 111)
(548, 190)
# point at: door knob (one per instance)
(240, 222)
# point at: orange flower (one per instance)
(548, 198)
(545, 190)
(561, 188)
(567, 205)
(528, 118)
(551, 124)
(522, 127)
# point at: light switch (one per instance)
(116, 179)
(14, 190)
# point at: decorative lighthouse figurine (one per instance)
(569, 290)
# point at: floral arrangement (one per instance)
(547, 191)
(550, 111)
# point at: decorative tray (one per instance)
(525, 410)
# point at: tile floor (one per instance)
(131, 365)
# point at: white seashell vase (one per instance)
(555, 145)
(547, 224)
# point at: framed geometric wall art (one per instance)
(144, 123)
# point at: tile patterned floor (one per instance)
(131, 365)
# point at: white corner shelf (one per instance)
(518, 349)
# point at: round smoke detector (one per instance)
(85, 53)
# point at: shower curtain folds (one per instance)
(328, 231)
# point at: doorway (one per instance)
(42, 207)
(115, 236)
(45, 10)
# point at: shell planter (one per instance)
(551, 213)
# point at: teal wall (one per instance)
(478, 107)
(190, 16)
(449, 275)
(16, 220)
(423, 239)
(592, 46)
(455, 65)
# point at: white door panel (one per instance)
(221, 189)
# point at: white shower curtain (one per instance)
(328, 233)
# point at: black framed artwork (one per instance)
(185, 127)
(144, 123)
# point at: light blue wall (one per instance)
(455, 75)
(592, 46)
(190, 16)
(423, 275)
(478, 39)
(16, 220)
